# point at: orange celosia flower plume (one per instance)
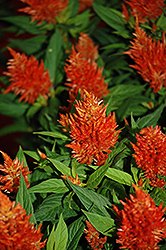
(81, 74)
(93, 133)
(75, 181)
(150, 154)
(16, 232)
(29, 79)
(145, 10)
(44, 10)
(84, 4)
(12, 172)
(96, 242)
(142, 224)
(86, 47)
(150, 58)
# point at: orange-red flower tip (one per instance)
(82, 74)
(93, 237)
(75, 181)
(16, 232)
(86, 47)
(12, 171)
(145, 10)
(150, 58)
(44, 10)
(92, 132)
(150, 154)
(84, 4)
(142, 224)
(29, 79)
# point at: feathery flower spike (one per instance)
(75, 181)
(29, 79)
(81, 74)
(142, 224)
(93, 133)
(84, 4)
(145, 10)
(86, 47)
(150, 58)
(96, 242)
(44, 10)
(16, 232)
(150, 154)
(12, 171)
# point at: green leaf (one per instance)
(91, 200)
(49, 208)
(24, 23)
(152, 118)
(50, 186)
(75, 231)
(60, 166)
(21, 157)
(158, 196)
(119, 176)
(109, 16)
(61, 235)
(23, 197)
(54, 54)
(52, 134)
(102, 224)
(29, 46)
(32, 154)
(96, 177)
(51, 239)
(10, 106)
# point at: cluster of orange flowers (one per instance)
(16, 232)
(91, 131)
(150, 154)
(48, 10)
(143, 10)
(142, 224)
(96, 242)
(29, 79)
(150, 58)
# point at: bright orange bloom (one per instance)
(150, 154)
(84, 4)
(144, 10)
(92, 132)
(12, 171)
(86, 47)
(150, 58)
(142, 224)
(96, 242)
(64, 120)
(81, 74)
(125, 12)
(75, 181)
(16, 232)
(29, 79)
(44, 10)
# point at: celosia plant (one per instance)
(16, 232)
(146, 10)
(29, 79)
(142, 224)
(92, 133)
(11, 174)
(44, 10)
(150, 57)
(84, 84)
(92, 236)
(150, 154)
